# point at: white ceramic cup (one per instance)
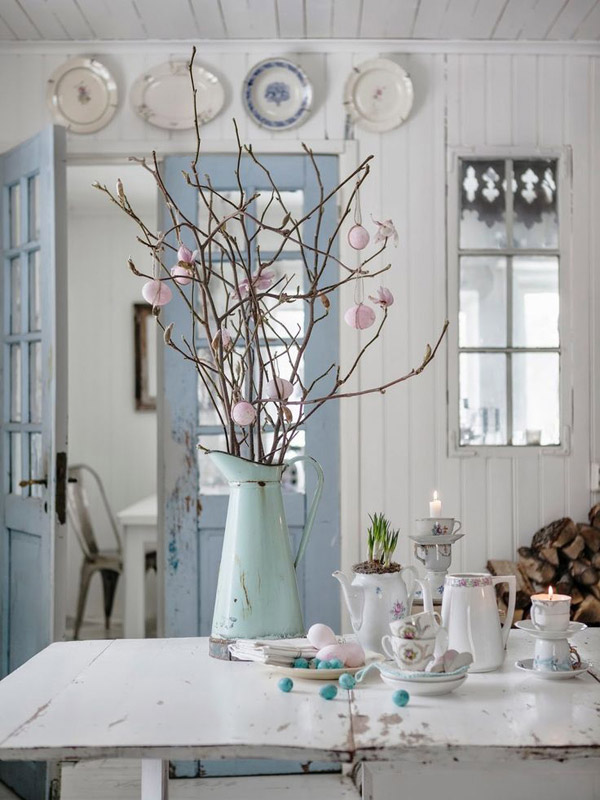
(415, 654)
(437, 526)
(555, 655)
(425, 625)
(551, 613)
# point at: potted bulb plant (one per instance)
(378, 593)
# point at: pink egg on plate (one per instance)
(320, 635)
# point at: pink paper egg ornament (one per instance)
(181, 275)
(279, 389)
(243, 413)
(358, 237)
(157, 293)
(360, 316)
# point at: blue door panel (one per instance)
(26, 597)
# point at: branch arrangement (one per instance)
(248, 354)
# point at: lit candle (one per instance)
(550, 611)
(435, 506)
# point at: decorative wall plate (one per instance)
(277, 94)
(82, 95)
(163, 95)
(378, 95)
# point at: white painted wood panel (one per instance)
(568, 22)
(167, 698)
(346, 18)
(290, 18)
(398, 443)
(590, 27)
(72, 19)
(311, 19)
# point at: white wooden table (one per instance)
(161, 699)
(139, 530)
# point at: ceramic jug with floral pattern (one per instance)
(376, 599)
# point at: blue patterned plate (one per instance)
(277, 94)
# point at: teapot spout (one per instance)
(354, 597)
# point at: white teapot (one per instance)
(470, 615)
(376, 599)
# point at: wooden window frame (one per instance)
(563, 156)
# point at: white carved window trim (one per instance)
(564, 171)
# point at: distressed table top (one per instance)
(165, 698)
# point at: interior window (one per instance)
(508, 331)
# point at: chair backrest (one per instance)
(79, 511)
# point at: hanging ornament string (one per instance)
(357, 208)
(358, 237)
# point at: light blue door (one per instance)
(195, 497)
(33, 360)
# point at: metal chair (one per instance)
(109, 563)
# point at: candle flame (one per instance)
(435, 495)
(550, 591)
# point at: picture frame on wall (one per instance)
(144, 333)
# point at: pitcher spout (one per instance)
(355, 599)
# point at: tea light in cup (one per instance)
(435, 506)
(550, 611)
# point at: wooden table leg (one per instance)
(155, 779)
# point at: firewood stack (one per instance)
(563, 554)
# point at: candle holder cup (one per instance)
(551, 612)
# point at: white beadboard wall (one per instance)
(395, 447)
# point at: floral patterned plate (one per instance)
(82, 95)
(526, 664)
(378, 95)
(163, 95)
(277, 94)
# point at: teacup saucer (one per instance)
(528, 626)
(526, 664)
(428, 538)
(417, 682)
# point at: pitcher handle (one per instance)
(512, 595)
(312, 511)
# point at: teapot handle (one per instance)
(312, 511)
(512, 594)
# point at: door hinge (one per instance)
(61, 487)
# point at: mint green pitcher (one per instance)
(257, 592)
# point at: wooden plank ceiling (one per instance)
(66, 20)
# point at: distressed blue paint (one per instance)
(194, 540)
(30, 537)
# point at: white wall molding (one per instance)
(181, 48)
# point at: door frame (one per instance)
(349, 478)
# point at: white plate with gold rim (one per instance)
(82, 95)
